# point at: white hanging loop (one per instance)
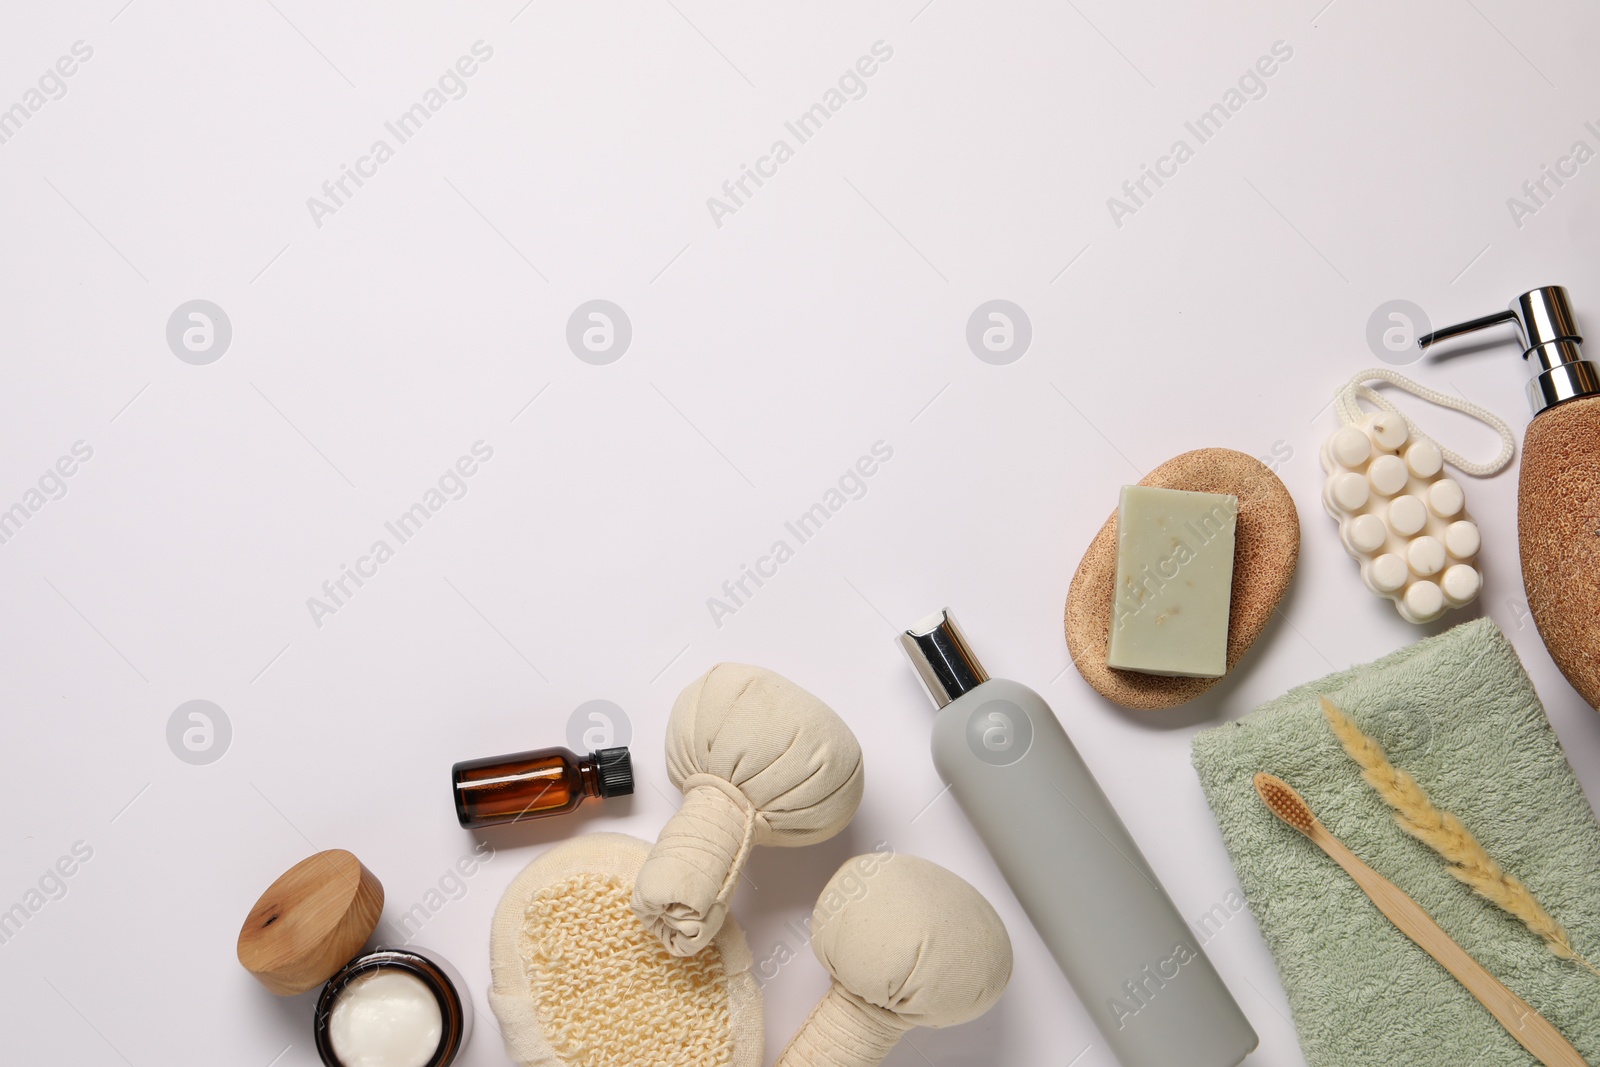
(1350, 414)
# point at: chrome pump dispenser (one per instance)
(1550, 338)
(1558, 489)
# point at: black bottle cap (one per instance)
(616, 772)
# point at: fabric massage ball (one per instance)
(908, 944)
(759, 761)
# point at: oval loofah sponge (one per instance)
(1266, 549)
(760, 761)
(577, 981)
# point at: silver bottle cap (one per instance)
(942, 658)
(1549, 335)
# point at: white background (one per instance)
(827, 313)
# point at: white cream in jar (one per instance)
(388, 1018)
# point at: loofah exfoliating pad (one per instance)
(760, 761)
(577, 980)
(1266, 549)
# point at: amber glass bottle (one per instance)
(531, 785)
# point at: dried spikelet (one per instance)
(1444, 833)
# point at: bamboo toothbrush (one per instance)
(1532, 1030)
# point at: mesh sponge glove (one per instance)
(760, 761)
(908, 944)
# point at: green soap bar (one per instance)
(1174, 582)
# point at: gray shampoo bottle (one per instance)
(1075, 870)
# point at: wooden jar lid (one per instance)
(309, 923)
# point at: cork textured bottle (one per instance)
(1558, 495)
(1558, 526)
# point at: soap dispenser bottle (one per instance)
(1558, 493)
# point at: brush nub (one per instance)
(1281, 799)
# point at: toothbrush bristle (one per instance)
(1281, 799)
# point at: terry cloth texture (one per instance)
(577, 981)
(760, 761)
(1458, 712)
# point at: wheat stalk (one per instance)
(1444, 833)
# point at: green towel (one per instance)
(1458, 712)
